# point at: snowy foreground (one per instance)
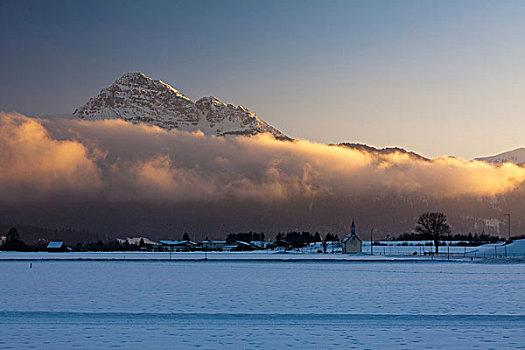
(253, 304)
(259, 256)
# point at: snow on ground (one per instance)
(248, 332)
(395, 248)
(515, 249)
(225, 304)
(232, 256)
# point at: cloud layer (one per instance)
(116, 162)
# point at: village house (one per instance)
(142, 242)
(351, 243)
(240, 246)
(213, 245)
(178, 246)
(56, 246)
(263, 244)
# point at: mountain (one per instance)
(516, 156)
(139, 99)
(381, 151)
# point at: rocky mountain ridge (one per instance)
(137, 98)
(516, 156)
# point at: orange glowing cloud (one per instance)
(32, 163)
(121, 161)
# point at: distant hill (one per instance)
(516, 156)
(381, 151)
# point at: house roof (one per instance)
(348, 236)
(239, 243)
(55, 245)
(171, 242)
(261, 244)
(136, 240)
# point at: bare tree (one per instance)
(433, 226)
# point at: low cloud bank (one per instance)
(115, 163)
(121, 161)
(33, 164)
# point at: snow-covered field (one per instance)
(223, 256)
(250, 304)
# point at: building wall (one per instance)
(352, 246)
(213, 245)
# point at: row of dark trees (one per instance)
(13, 241)
(245, 237)
(290, 237)
(108, 246)
(470, 239)
(430, 226)
(301, 239)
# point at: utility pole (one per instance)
(371, 242)
(508, 225)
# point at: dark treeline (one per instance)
(33, 235)
(109, 246)
(300, 239)
(470, 238)
(15, 241)
(245, 237)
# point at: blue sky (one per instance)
(436, 77)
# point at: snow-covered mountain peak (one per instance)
(132, 76)
(516, 156)
(140, 81)
(210, 101)
(137, 98)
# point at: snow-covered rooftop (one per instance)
(55, 245)
(172, 242)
